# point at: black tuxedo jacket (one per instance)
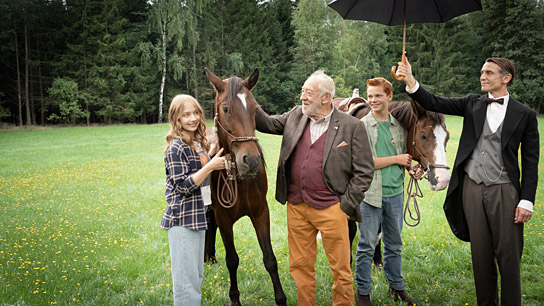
(520, 128)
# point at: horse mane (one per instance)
(234, 85)
(402, 111)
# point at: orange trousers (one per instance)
(303, 223)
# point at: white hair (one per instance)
(325, 83)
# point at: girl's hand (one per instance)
(218, 161)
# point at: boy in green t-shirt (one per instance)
(383, 203)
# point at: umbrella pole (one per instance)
(403, 58)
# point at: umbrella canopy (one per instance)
(397, 12)
(391, 12)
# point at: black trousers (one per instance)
(495, 240)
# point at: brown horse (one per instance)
(427, 139)
(241, 190)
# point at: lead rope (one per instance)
(228, 194)
(413, 183)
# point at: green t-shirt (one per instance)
(392, 181)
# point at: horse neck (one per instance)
(410, 148)
(402, 111)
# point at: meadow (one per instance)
(80, 214)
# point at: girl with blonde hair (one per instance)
(187, 193)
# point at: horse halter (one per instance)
(233, 138)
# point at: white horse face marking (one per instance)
(442, 175)
(242, 97)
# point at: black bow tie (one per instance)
(489, 100)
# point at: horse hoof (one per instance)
(211, 260)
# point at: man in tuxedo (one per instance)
(324, 168)
(486, 202)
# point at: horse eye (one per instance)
(224, 108)
(423, 137)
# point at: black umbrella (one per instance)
(396, 12)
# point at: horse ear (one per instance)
(217, 83)
(418, 110)
(251, 80)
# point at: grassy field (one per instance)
(81, 208)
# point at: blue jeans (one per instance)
(187, 255)
(390, 216)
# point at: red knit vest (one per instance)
(306, 182)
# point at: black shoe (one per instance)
(401, 295)
(363, 300)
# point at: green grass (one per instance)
(81, 208)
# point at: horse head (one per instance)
(426, 142)
(234, 119)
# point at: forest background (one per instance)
(83, 62)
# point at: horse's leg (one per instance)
(231, 257)
(377, 259)
(209, 249)
(262, 228)
(352, 228)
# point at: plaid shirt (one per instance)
(317, 128)
(373, 195)
(185, 205)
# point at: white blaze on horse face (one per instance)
(242, 97)
(442, 175)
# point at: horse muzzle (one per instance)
(439, 178)
(248, 164)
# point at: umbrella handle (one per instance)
(394, 68)
(394, 75)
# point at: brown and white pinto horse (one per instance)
(426, 142)
(241, 191)
(427, 137)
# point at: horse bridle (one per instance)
(232, 137)
(429, 165)
(413, 183)
(228, 195)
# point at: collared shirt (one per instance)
(496, 112)
(495, 116)
(373, 195)
(185, 204)
(318, 127)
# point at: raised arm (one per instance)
(270, 124)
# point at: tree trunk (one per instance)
(86, 82)
(19, 96)
(32, 98)
(163, 79)
(27, 102)
(195, 87)
(40, 79)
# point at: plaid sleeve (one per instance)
(178, 170)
